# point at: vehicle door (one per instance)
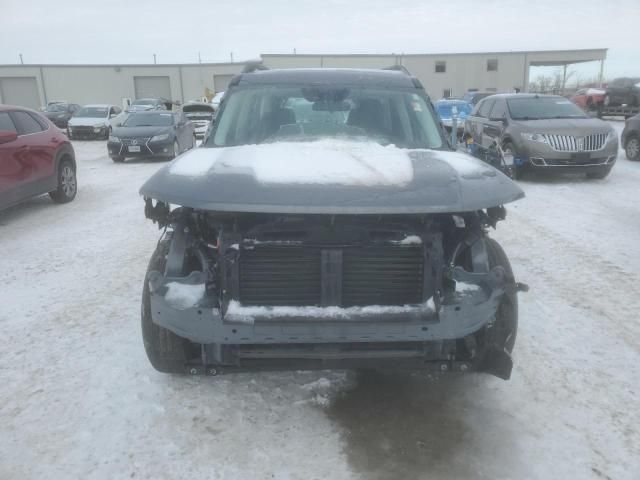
(12, 172)
(495, 122)
(182, 127)
(39, 144)
(630, 91)
(472, 125)
(616, 91)
(481, 136)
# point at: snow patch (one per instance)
(327, 161)
(466, 287)
(182, 296)
(464, 164)
(409, 240)
(240, 313)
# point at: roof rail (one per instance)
(252, 66)
(398, 68)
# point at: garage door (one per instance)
(221, 82)
(21, 91)
(146, 87)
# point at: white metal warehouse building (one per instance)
(442, 75)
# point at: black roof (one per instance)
(324, 76)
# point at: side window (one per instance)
(26, 123)
(6, 124)
(441, 66)
(40, 120)
(117, 110)
(485, 108)
(499, 109)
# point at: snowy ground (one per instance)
(78, 398)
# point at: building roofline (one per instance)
(515, 52)
(125, 65)
(600, 51)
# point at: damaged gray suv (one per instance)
(326, 224)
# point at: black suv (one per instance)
(623, 91)
(326, 223)
(60, 113)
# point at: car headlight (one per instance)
(535, 137)
(113, 138)
(159, 138)
(97, 128)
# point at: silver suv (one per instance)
(544, 133)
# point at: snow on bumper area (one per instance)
(79, 399)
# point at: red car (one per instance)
(35, 158)
(589, 98)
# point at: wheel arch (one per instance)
(65, 152)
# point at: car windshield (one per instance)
(144, 102)
(149, 120)
(57, 107)
(541, 108)
(445, 110)
(92, 112)
(266, 114)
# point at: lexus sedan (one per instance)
(154, 133)
(35, 158)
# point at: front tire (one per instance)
(632, 148)
(504, 329)
(166, 351)
(117, 159)
(517, 170)
(176, 149)
(67, 183)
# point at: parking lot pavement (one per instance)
(80, 400)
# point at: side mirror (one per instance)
(7, 136)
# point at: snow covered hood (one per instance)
(330, 176)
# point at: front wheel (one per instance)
(632, 149)
(117, 159)
(504, 329)
(176, 149)
(517, 171)
(166, 351)
(67, 183)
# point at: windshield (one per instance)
(445, 110)
(540, 108)
(57, 107)
(149, 120)
(266, 114)
(144, 102)
(92, 112)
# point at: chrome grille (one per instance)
(569, 143)
(139, 141)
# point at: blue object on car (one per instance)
(448, 108)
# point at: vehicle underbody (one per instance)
(259, 291)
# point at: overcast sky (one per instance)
(131, 31)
